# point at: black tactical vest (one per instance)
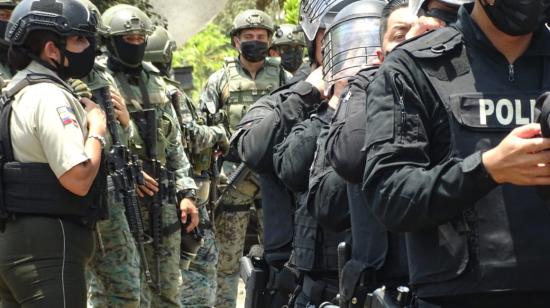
(501, 242)
(33, 188)
(315, 247)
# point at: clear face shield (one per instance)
(350, 46)
(415, 5)
(312, 13)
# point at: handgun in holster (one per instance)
(255, 274)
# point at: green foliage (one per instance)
(233, 7)
(205, 51)
(292, 11)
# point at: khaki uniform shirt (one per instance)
(48, 124)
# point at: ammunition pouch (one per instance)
(319, 291)
(201, 161)
(190, 244)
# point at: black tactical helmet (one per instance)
(63, 17)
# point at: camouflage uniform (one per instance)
(199, 273)
(125, 19)
(172, 155)
(114, 271)
(230, 91)
(199, 280)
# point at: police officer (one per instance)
(145, 92)
(6, 8)
(322, 219)
(288, 44)
(265, 125)
(51, 154)
(458, 174)
(198, 274)
(229, 93)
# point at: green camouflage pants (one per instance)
(199, 282)
(114, 274)
(169, 262)
(230, 238)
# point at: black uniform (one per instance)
(322, 217)
(378, 257)
(439, 101)
(345, 143)
(265, 125)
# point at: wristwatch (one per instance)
(186, 194)
(98, 138)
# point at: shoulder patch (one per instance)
(66, 115)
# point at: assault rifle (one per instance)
(125, 172)
(147, 124)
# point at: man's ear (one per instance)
(273, 53)
(236, 42)
(380, 55)
(51, 51)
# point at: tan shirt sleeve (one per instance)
(59, 129)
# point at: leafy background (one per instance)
(206, 50)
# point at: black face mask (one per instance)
(517, 17)
(127, 54)
(254, 51)
(292, 59)
(80, 64)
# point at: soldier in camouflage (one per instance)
(6, 7)
(113, 274)
(143, 88)
(288, 44)
(226, 97)
(198, 277)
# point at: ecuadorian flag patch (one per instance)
(66, 114)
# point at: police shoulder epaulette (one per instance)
(433, 44)
(150, 68)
